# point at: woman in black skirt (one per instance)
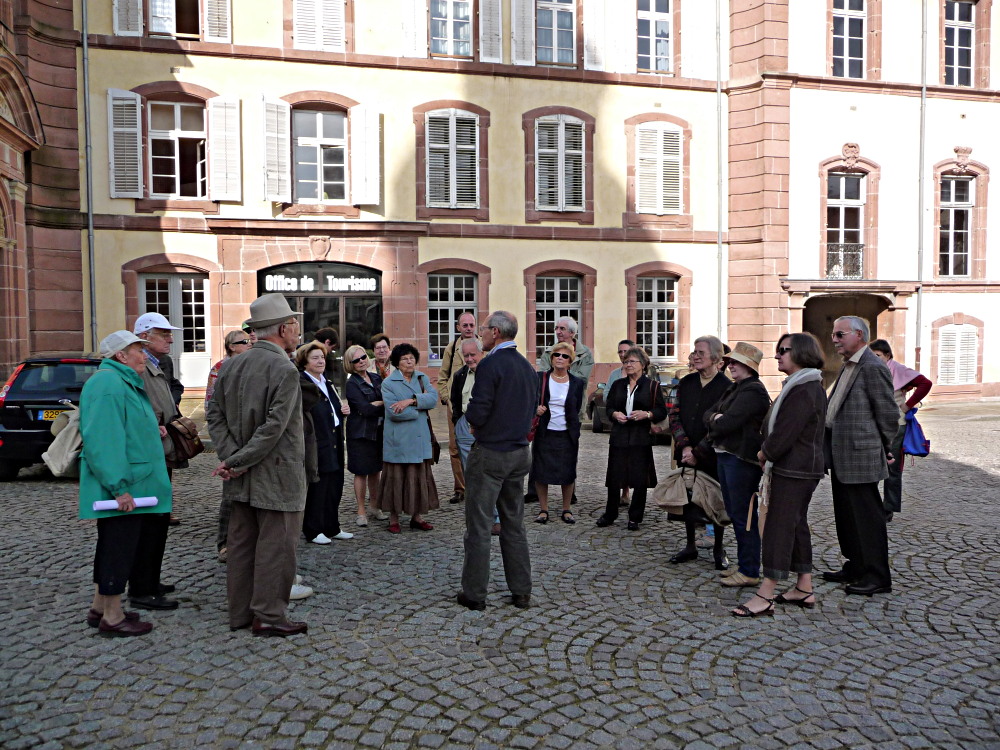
(364, 431)
(633, 404)
(557, 437)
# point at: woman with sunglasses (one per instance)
(633, 403)
(557, 437)
(793, 462)
(364, 431)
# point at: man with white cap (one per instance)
(255, 420)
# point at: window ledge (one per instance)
(534, 216)
(321, 209)
(631, 219)
(437, 212)
(149, 205)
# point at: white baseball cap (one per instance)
(115, 342)
(149, 321)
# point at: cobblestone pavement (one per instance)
(620, 649)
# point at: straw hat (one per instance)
(269, 309)
(746, 354)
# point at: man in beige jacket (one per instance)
(255, 420)
(451, 362)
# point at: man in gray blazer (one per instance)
(861, 423)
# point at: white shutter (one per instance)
(621, 55)
(128, 17)
(306, 17)
(332, 33)
(124, 144)
(547, 165)
(968, 354)
(437, 132)
(277, 151)
(217, 19)
(958, 354)
(162, 17)
(466, 128)
(224, 149)
(594, 34)
(523, 31)
(572, 157)
(415, 28)
(490, 31)
(366, 156)
(658, 170)
(452, 174)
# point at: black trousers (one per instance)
(636, 506)
(144, 580)
(127, 552)
(322, 514)
(786, 545)
(860, 520)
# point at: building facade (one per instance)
(390, 164)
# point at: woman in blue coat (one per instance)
(407, 484)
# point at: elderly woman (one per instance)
(633, 403)
(364, 431)
(734, 431)
(407, 484)
(324, 446)
(557, 437)
(122, 459)
(696, 393)
(793, 460)
(382, 348)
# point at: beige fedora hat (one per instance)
(269, 309)
(746, 354)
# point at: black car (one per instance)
(40, 389)
(599, 416)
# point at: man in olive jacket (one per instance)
(255, 420)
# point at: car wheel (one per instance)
(597, 425)
(8, 470)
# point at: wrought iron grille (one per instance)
(845, 260)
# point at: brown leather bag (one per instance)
(184, 432)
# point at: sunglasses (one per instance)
(783, 350)
(245, 342)
(561, 354)
(841, 334)
(359, 359)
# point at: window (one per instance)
(849, 18)
(177, 153)
(448, 297)
(653, 36)
(451, 28)
(959, 37)
(954, 240)
(207, 20)
(658, 169)
(183, 299)
(555, 32)
(452, 159)
(320, 156)
(319, 25)
(559, 163)
(844, 226)
(656, 316)
(958, 354)
(555, 297)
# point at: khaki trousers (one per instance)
(456, 456)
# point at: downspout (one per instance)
(88, 169)
(921, 183)
(720, 198)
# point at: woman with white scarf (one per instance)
(793, 461)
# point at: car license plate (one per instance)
(49, 415)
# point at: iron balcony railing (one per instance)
(845, 260)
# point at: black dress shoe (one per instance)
(633, 526)
(867, 589)
(153, 602)
(721, 562)
(167, 588)
(838, 576)
(280, 630)
(469, 603)
(604, 521)
(521, 601)
(457, 498)
(685, 555)
(530, 497)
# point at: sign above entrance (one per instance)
(319, 278)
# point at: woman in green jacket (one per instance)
(122, 460)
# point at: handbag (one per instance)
(184, 434)
(655, 428)
(63, 455)
(915, 443)
(536, 420)
(435, 445)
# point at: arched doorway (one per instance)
(821, 311)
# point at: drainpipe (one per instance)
(88, 168)
(720, 199)
(921, 183)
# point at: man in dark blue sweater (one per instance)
(500, 411)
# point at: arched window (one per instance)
(961, 192)
(849, 207)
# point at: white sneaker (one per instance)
(300, 592)
(362, 521)
(298, 578)
(381, 516)
(320, 539)
(344, 535)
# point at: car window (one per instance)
(51, 379)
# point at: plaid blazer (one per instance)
(865, 425)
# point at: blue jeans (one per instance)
(739, 480)
(465, 440)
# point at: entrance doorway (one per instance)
(820, 312)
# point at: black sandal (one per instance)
(745, 611)
(567, 516)
(803, 602)
(542, 517)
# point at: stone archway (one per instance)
(821, 310)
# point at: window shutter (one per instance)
(366, 161)
(217, 24)
(128, 17)
(572, 148)
(968, 354)
(332, 33)
(224, 150)
(523, 23)
(547, 165)
(594, 31)
(305, 24)
(622, 27)
(438, 137)
(415, 29)
(124, 144)
(162, 17)
(277, 151)
(490, 31)
(466, 193)
(658, 177)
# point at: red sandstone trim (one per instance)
(684, 278)
(631, 218)
(558, 268)
(981, 175)
(531, 214)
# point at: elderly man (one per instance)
(451, 362)
(861, 421)
(145, 589)
(255, 420)
(566, 329)
(499, 413)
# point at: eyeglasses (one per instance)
(564, 355)
(841, 334)
(362, 357)
(245, 342)
(632, 362)
(781, 350)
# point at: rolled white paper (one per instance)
(140, 502)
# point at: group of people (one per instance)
(280, 429)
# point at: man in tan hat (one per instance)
(255, 420)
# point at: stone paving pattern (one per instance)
(620, 649)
